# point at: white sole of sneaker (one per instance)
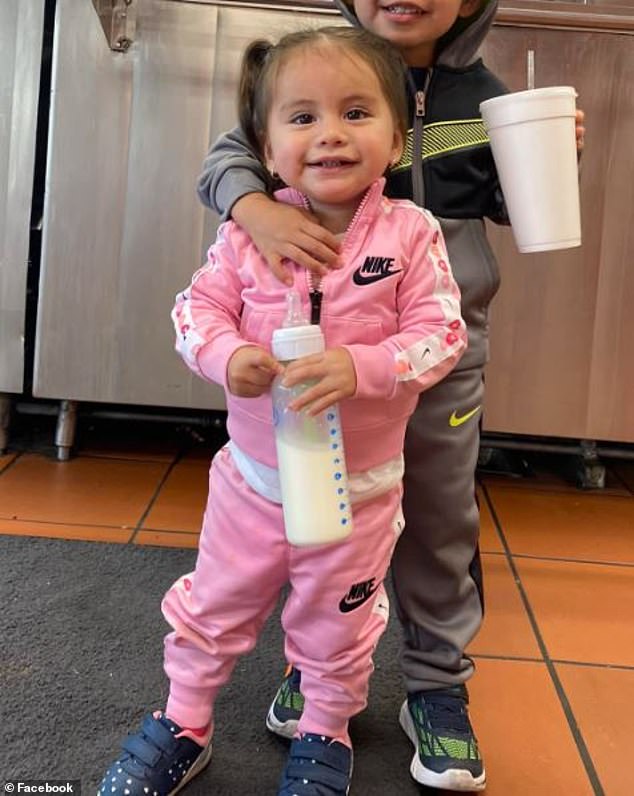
(454, 779)
(285, 729)
(202, 761)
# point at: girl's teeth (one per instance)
(402, 10)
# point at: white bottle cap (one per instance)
(292, 342)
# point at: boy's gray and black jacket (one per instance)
(447, 166)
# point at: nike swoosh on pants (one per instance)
(455, 421)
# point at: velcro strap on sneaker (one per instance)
(137, 746)
(151, 742)
(319, 763)
(318, 775)
(159, 734)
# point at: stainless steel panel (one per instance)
(21, 26)
(123, 228)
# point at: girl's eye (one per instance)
(302, 118)
(356, 113)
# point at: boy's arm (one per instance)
(498, 212)
(432, 335)
(235, 183)
(231, 170)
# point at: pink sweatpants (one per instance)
(335, 613)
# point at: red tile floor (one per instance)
(556, 652)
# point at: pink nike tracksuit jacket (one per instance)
(396, 308)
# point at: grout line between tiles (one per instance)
(175, 531)
(517, 658)
(621, 667)
(560, 560)
(154, 497)
(66, 524)
(483, 656)
(145, 459)
(11, 463)
(582, 748)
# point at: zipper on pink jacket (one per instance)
(315, 295)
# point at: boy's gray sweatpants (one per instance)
(436, 564)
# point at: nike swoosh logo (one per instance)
(345, 606)
(367, 279)
(455, 421)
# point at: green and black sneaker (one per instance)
(447, 754)
(286, 710)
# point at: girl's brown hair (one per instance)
(263, 60)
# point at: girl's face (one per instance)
(330, 130)
(413, 26)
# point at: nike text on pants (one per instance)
(335, 613)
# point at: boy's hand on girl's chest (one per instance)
(284, 232)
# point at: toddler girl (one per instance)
(325, 110)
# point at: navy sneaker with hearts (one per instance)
(317, 766)
(155, 761)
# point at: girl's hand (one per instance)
(250, 371)
(283, 232)
(580, 130)
(335, 375)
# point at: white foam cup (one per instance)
(532, 136)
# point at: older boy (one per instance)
(448, 168)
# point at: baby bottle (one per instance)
(311, 463)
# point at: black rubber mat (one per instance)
(81, 643)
